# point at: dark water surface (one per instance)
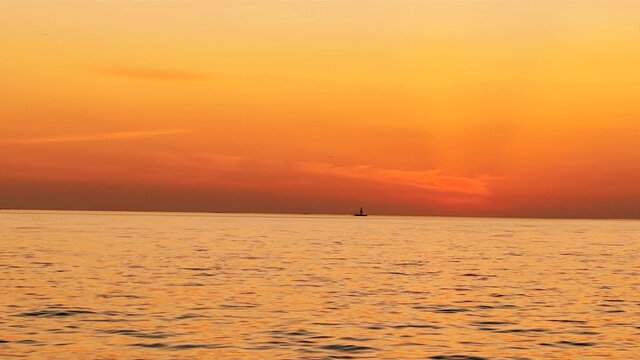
(107, 285)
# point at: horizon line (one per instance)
(319, 213)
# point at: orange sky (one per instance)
(490, 108)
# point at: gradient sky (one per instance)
(483, 108)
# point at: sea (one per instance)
(141, 285)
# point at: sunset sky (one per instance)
(474, 108)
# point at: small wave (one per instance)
(570, 343)
(195, 346)
(347, 348)
(178, 347)
(205, 274)
(126, 296)
(350, 338)
(457, 357)
(479, 275)
(138, 334)
(510, 331)
(425, 326)
(492, 323)
(449, 311)
(375, 327)
(29, 342)
(569, 321)
(154, 345)
(440, 309)
(189, 316)
(189, 284)
(411, 263)
(576, 343)
(243, 306)
(300, 332)
(397, 273)
(55, 313)
(408, 344)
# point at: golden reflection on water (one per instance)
(148, 285)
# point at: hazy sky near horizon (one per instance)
(495, 108)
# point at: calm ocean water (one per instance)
(108, 285)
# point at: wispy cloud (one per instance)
(94, 136)
(152, 74)
(433, 180)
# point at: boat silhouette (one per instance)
(361, 213)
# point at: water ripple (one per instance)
(220, 286)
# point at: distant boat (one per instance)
(361, 213)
